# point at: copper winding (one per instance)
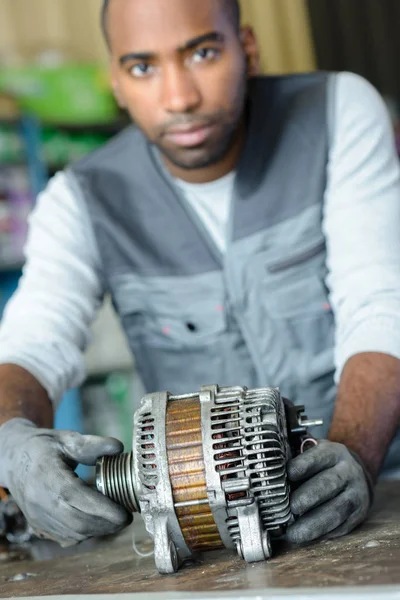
(187, 474)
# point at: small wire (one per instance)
(136, 549)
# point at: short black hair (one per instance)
(231, 6)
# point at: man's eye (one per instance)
(205, 54)
(141, 70)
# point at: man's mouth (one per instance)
(189, 136)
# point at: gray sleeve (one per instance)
(45, 327)
(362, 222)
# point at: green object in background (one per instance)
(11, 146)
(70, 94)
(118, 387)
(60, 147)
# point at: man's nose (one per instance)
(179, 92)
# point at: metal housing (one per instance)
(207, 471)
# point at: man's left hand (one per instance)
(334, 493)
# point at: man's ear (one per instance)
(251, 50)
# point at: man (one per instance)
(247, 229)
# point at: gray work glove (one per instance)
(37, 467)
(333, 496)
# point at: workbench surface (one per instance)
(368, 557)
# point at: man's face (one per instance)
(179, 68)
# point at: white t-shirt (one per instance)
(212, 202)
(46, 325)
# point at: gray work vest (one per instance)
(258, 315)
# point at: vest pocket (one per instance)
(297, 305)
(167, 315)
(296, 298)
(301, 313)
(180, 329)
(177, 331)
(308, 252)
(294, 280)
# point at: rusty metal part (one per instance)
(188, 477)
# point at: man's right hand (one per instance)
(37, 467)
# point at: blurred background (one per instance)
(56, 106)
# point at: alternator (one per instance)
(208, 470)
